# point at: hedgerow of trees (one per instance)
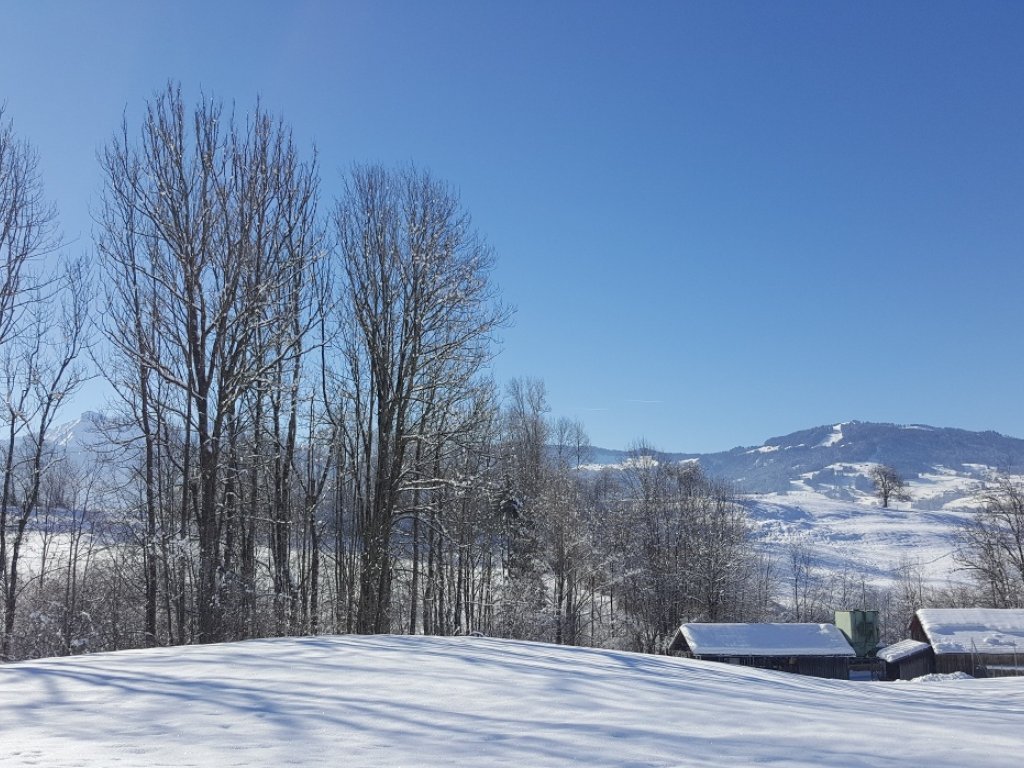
(304, 436)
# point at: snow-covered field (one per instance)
(414, 701)
(859, 536)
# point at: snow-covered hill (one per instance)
(813, 489)
(858, 538)
(394, 701)
(833, 460)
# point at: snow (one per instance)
(941, 677)
(834, 438)
(985, 631)
(901, 650)
(858, 537)
(424, 701)
(766, 640)
(645, 461)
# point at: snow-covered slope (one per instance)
(834, 459)
(812, 488)
(394, 701)
(859, 538)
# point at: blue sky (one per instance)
(719, 222)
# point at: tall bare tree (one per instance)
(208, 238)
(419, 315)
(41, 380)
(39, 344)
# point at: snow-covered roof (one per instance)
(766, 640)
(986, 631)
(901, 650)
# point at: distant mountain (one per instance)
(812, 489)
(88, 431)
(834, 459)
(831, 460)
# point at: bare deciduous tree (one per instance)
(42, 333)
(208, 240)
(683, 547)
(991, 545)
(889, 485)
(39, 384)
(419, 315)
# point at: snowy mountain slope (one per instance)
(858, 538)
(393, 701)
(83, 436)
(812, 488)
(834, 459)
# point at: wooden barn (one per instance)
(906, 660)
(818, 650)
(983, 642)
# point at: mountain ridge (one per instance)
(832, 459)
(837, 456)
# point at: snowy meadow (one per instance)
(392, 701)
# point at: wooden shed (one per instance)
(907, 659)
(818, 650)
(983, 642)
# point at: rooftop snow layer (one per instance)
(988, 631)
(901, 650)
(766, 640)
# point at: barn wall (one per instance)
(910, 667)
(831, 667)
(977, 665)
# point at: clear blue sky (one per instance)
(718, 221)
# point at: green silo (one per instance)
(861, 630)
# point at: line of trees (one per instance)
(305, 438)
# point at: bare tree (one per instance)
(889, 485)
(208, 238)
(683, 550)
(419, 315)
(805, 583)
(525, 474)
(991, 545)
(39, 344)
(28, 227)
(27, 231)
(42, 380)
